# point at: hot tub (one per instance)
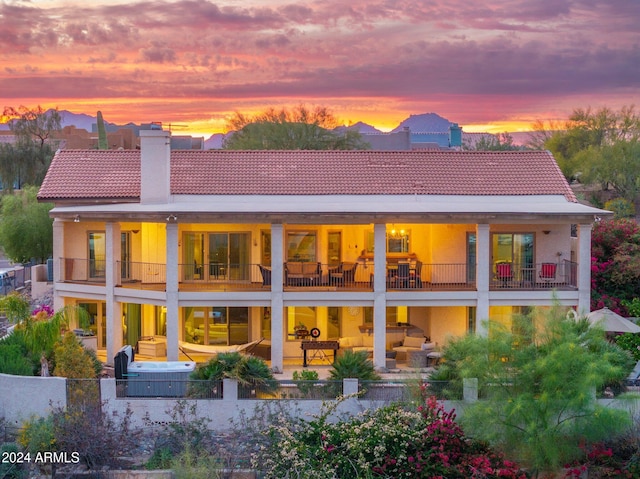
(158, 378)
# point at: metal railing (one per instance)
(382, 390)
(238, 277)
(562, 275)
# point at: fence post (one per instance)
(349, 386)
(229, 389)
(470, 389)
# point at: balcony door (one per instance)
(97, 243)
(216, 256)
(216, 325)
(514, 248)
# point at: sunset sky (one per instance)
(488, 65)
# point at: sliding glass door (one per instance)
(227, 256)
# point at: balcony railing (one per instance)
(312, 275)
(562, 275)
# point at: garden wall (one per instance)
(24, 396)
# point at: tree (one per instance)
(26, 230)
(35, 124)
(500, 142)
(586, 138)
(27, 161)
(538, 381)
(301, 128)
(615, 165)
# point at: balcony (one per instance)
(323, 277)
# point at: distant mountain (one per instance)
(214, 142)
(79, 120)
(420, 123)
(424, 123)
(363, 128)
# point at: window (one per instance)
(265, 245)
(301, 246)
(334, 247)
(97, 254)
(515, 248)
(227, 256)
(216, 325)
(334, 322)
(471, 319)
(300, 318)
(471, 257)
(98, 251)
(397, 241)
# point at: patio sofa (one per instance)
(363, 342)
(302, 274)
(417, 350)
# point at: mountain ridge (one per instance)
(417, 123)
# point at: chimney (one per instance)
(155, 166)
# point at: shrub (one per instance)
(630, 342)
(185, 431)
(633, 306)
(306, 382)
(388, 442)
(99, 438)
(72, 359)
(10, 469)
(352, 364)
(621, 208)
(538, 379)
(14, 361)
(249, 371)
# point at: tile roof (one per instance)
(94, 174)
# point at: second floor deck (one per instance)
(312, 276)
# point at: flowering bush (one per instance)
(600, 461)
(615, 263)
(42, 312)
(390, 442)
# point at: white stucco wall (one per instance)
(22, 396)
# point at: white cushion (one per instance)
(428, 346)
(351, 342)
(412, 342)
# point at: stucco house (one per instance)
(215, 248)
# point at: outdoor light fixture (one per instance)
(546, 231)
(76, 219)
(172, 217)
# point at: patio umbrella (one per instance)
(612, 322)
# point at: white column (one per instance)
(379, 295)
(277, 303)
(172, 277)
(113, 257)
(58, 260)
(483, 273)
(584, 269)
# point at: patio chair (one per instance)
(266, 275)
(344, 274)
(403, 279)
(547, 272)
(504, 273)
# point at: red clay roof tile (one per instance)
(95, 174)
